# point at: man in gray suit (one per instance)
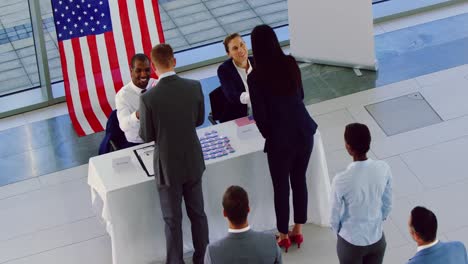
(169, 115)
(242, 245)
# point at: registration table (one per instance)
(126, 198)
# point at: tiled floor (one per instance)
(47, 218)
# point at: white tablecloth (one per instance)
(129, 205)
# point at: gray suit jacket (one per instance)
(169, 115)
(249, 247)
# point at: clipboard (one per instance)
(145, 158)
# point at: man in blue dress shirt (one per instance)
(423, 229)
(361, 200)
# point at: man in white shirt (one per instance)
(241, 245)
(233, 77)
(127, 100)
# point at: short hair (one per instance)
(162, 54)
(236, 204)
(424, 223)
(138, 57)
(228, 39)
(358, 137)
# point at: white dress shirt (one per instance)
(427, 246)
(245, 229)
(127, 103)
(245, 96)
(166, 74)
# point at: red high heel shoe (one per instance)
(286, 243)
(297, 238)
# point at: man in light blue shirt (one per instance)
(361, 200)
(423, 229)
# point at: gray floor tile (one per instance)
(19, 44)
(177, 42)
(8, 56)
(200, 36)
(5, 48)
(199, 27)
(179, 4)
(172, 33)
(235, 17)
(403, 114)
(12, 74)
(168, 25)
(212, 4)
(20, 83)
(25, 52)
(187, 10)
(271, 8)
(10, 65)
(275, 17)
(257, 3)
(197, 17)
(229, 9)
(242, 26)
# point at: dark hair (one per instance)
(272, 68)
(236, 204)
(424, 223)
(162, 54)
(139, 57)
(358, 137)
(228, 39)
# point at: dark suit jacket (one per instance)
(442, 253)
(282, 120)
(249, 247)
(232, 87)
(169, 115)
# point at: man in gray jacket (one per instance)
(242, 245)
(169, 115)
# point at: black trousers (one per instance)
(289, 164)
(351, 254)
(171, 206)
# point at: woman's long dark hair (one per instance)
(272, 67)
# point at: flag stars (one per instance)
(66, 7)
(97, 22)
(58, 22)
(100, 2)
(79, 18)
(86, 23)
(68, 20)
(81, 30)
(89, 5)
(75, 25)
(95, 10)
(62, 15)
(55, 10)
(102, 14)
(92, 29)
(64, 27)
(60, 2)
(70, 32)
(60, 35)
(91, 18)
(104, 27)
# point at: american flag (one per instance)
(97, 39)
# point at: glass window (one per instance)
(18, 63)
(192, 23)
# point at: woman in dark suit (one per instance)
(276, 94)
